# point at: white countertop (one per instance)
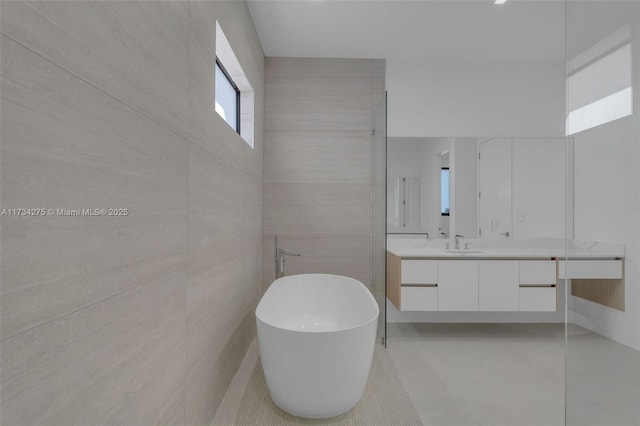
(527, 249)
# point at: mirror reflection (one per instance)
(477, 187)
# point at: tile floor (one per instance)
(603, 381)
(514, 374)
(384, 402)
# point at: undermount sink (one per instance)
(463, 251)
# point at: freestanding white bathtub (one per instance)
(316, 334)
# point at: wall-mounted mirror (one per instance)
(477, 187)
(403, 204)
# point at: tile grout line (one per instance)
(186, 248)
(181, 136)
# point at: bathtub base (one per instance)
(316, 375)
(308, 416)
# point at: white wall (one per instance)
(606, 209)
(405, 157)
(472, 100)
(607, 206)
(538, 188)
(464, 210)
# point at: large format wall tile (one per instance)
(117, 362)
(317, 209)
(254, 159)
(308, 101)
(134, 51)
(206, 127)
(66, 145)
(318, 156)
(378, 72)
(243, 38)
(215, 204)
(105, 320)
(224, 213)
(318, 164)
(252, 211)
(222, 283)
(330, 253)
(219, 298)
(329, 70)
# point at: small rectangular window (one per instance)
(444, 191)
(234, 95)
(227, 97)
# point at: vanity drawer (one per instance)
(419, 272)
(538, 272)
(594, 269)
(537, 299)
(419, 298)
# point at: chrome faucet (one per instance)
(280, 253)
(457, 244)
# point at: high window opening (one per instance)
(234, 96)
(227, 97)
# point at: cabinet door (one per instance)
(498, 285)
(419, 272)
(538, 299)
(538, 272)
(419, 298)
(591, 269)
(458, 285)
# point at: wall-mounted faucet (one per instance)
(279, 255)
(457, 244)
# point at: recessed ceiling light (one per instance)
(500, 1)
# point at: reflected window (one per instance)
(444, 191)
(600, 91)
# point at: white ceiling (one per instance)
(440, 30)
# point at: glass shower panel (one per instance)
(602, 264)
(379, 240)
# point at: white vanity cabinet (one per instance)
(538, 285)
(419, 285)
(592, 269)
(418, 272)
(419, 298)
(538, 272)
(499, 285)
(488, 285)
(599, 280)
(457, 285)
(425, 279)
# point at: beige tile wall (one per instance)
(141, 319)
(318, 176)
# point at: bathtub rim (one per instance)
(370, 296)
